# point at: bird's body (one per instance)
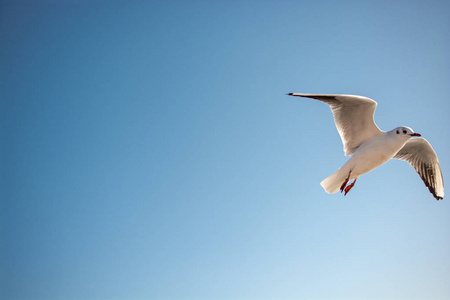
(370, 147)
(367, 157)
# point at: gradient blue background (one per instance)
(148, 150)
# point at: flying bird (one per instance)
(371, 147)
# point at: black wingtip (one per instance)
(290, 94)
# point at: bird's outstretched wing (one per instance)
(353, 116)
(421, 156)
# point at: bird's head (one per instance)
(404, 132)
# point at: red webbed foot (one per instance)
(349, 187)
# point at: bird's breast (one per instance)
(375, 153)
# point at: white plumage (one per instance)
(370, 147)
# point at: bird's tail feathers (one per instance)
(332, 183)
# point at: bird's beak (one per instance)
(415, 134)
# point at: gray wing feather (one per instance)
(421, 156)
(353, 116)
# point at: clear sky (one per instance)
(148, 150)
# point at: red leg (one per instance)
(345, 181)
(349, 187)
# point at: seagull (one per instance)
(371, 147)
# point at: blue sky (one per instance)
(149, 150)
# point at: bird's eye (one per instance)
(404, 131)
(398, 132)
